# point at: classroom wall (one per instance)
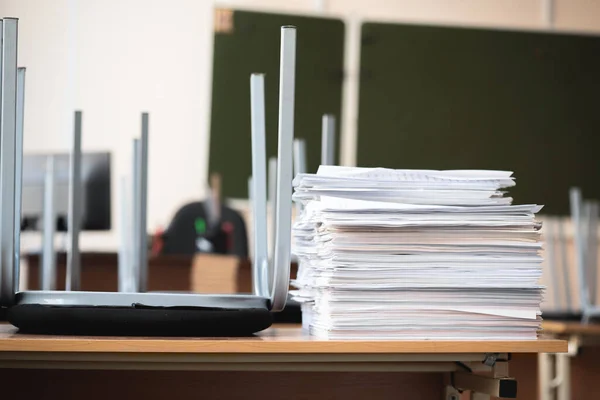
(114, 59)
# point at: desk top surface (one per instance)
(276, 340)
(569, 328)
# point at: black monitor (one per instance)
(96, 197)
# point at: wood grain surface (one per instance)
(277, 340)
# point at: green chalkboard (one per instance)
(449, 98)
(249, 43)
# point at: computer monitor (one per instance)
(96, 196)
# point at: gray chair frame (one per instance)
(585, 227)
(269, 294)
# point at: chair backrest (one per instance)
(559, 271)
(570, 270)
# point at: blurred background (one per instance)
(186, 63)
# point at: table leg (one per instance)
(546, 391)
(563, 372)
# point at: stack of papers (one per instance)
(416, 254)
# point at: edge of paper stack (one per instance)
(416, 254)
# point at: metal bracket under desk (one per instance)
(495, 382)
(251, 361)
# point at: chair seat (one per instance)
(133, 321)
(140, 314)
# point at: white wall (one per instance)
(116, 58)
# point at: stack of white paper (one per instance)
(416, 254)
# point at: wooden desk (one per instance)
(560, 328)
(275, 363)
(576, 377)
